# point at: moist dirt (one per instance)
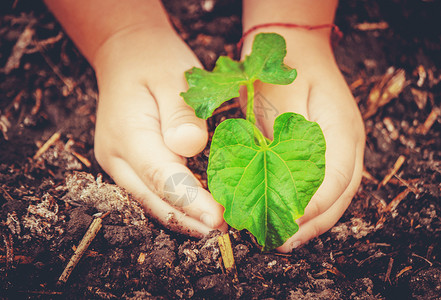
(387, 245)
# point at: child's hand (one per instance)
(321, 94)
(144, 128)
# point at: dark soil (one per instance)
(387, 245)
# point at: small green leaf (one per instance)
(265, 188)
(208, 90)
(266, 60)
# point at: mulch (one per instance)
(387, 245)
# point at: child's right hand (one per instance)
(144, 129)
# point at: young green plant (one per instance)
(263, 185)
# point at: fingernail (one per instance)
(207, 219)
(295, 244)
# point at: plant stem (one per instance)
(258, 135)
(260, 138)
(250, 103)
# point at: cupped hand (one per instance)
(144, 129)
(321, 94)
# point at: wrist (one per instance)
(143, 56)
(300, 42)
(91, 23)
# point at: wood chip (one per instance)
(369, 176)
(357, 83)
(38, 96)
(227, 254)
(391, 85)
(18, 259)
(401, 159)
(393, 132)
(19, 49)
(422, 74)
(41, 292)
(429, 251)
(141, 258)
(38, 45)
(336, 272)
(9, 244)
(6, 194)
(55, 137)
(372, 26)
(394, 203)
(420, 97)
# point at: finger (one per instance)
(340, 165)
(344, 135)
(183, 132)
(166, 214)
(141, 145)
(327, 219)
(167, 176)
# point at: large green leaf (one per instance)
(208, 90)
(265, 188)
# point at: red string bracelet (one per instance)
(334, 30)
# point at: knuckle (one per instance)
(180, 114)
(218, 221)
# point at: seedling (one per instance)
(264, 185)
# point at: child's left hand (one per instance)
(321, 94)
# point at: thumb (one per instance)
(183, 132)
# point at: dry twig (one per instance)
(372, 26)
(433, 116)
(227, 254)
(19, 49)
(38, 97)
(369, 176)
(390, 86)
(9, 244)
(403, 271)
(394, 203)
(91, 233)
(401, 159)
(81, 158)
(389, 270)
(55, 137)
(423, 258)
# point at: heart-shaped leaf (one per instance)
(265, 188)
